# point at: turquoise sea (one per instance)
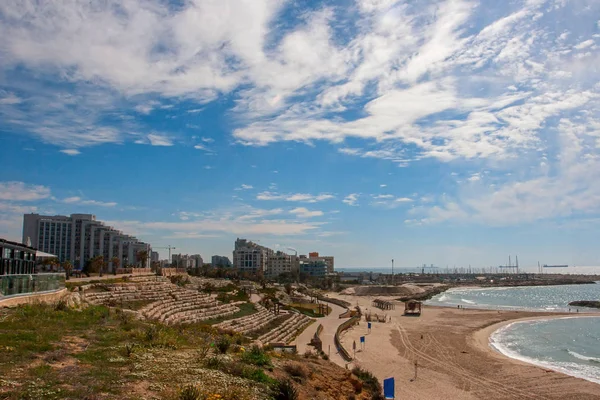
(570, 345)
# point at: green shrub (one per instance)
(369, 381)
(223, 344)
(256, 356)
(189, 392)
(214, 363)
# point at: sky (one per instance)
(440, 132)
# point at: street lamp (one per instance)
(392, 272)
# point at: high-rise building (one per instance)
(220, 261)
(328, 260)
(313, 267)
(81, 237)
(280, 263)
(250, 257)
(154, 256)
(187, 261)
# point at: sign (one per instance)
(388, 388)
(362, 339)
(369, 325)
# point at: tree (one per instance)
(68, 267)
(116, 262)
(142, 257)
(288, 288)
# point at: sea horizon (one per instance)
(574, 270)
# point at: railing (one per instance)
(11, 285)
(347, 324)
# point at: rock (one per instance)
(585, 303)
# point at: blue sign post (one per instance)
(369, 326)
(362, 342)
(388, 388)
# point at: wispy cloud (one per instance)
(20, 191)
(244, 187)
(303, 212)
(78, 200)
(159, 140)
(351, 199)
(299, 197)
(71, 152)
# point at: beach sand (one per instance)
(455, 361)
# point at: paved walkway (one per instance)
(330, 324)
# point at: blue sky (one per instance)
(455, 132)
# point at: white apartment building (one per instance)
(280, 263)
(250, 257)
(81, 237)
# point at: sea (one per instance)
(570, 345)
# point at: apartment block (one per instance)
(280, 263)
(220, 261)
(187, 261)
(80, 237)
(328, 260)
(250, 257)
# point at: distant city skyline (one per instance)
(446, 132)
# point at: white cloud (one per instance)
(159, 140)
(207, 140)
(299, 197)
(382, 186)
(9, 98)
(79, 201)
(351, 199)
(384, 196)
(474, 178)
(202, 147)
(244, 187)
(584, 44)
(20, 191)
(303, 212)
(71, 152)
(243, 221)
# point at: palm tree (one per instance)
(142, 257)
(68, 267)
(116, 262)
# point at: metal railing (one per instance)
(17, 284)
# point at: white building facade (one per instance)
(81, 237)
(250, 257)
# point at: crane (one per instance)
(426, 267)
(168, 247)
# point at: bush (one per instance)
(223, 344)
(285, 390)
(369, 381)
(214, 363)
(256, 356)
(295, 370)
(61, 305)
(189, 392)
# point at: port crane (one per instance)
(424, 267)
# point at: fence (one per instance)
(347, 324)
(11, 285)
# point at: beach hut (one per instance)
(412, 307)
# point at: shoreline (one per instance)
(454, 356)
(483, 340)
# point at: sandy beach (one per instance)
(453, 356)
